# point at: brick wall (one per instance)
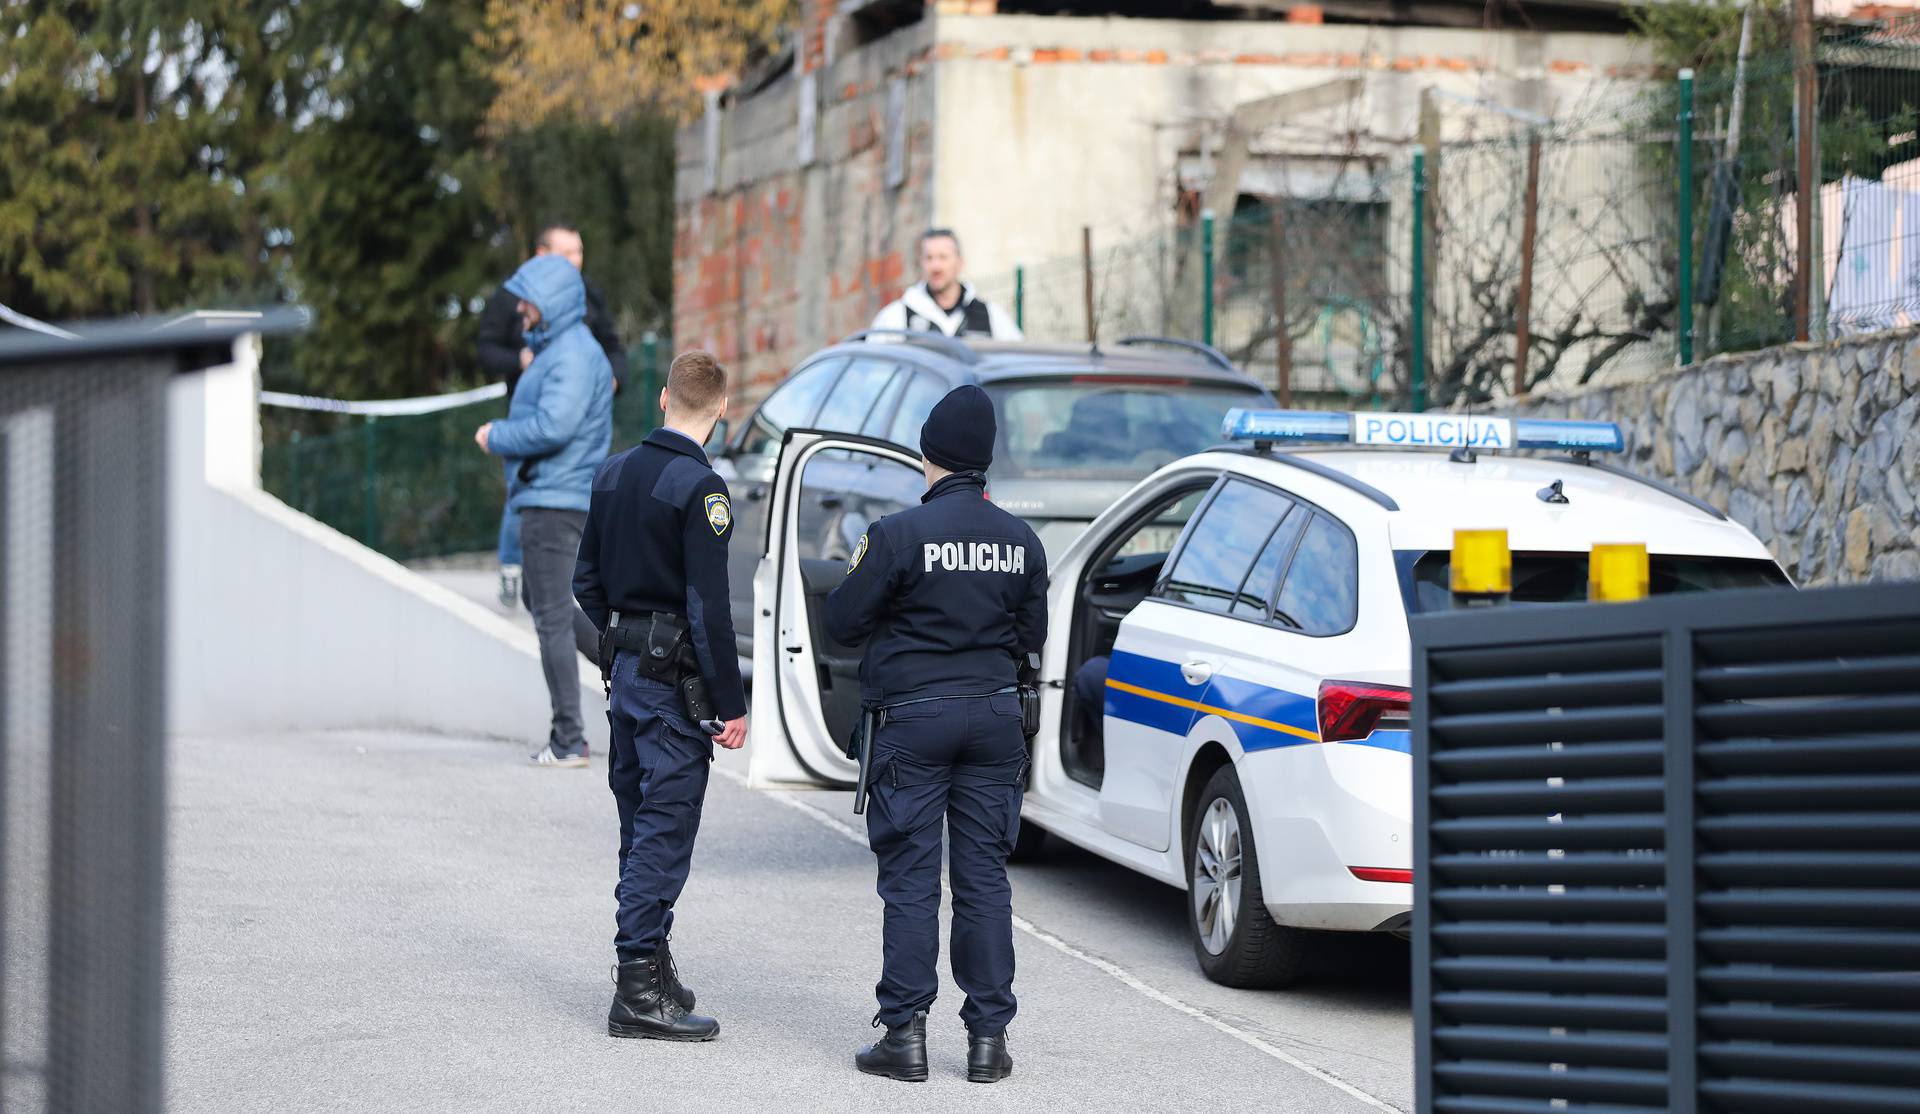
(779, 258)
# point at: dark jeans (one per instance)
(962, 762)
(657, 766)
(550, 543)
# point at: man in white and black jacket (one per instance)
(940, 302)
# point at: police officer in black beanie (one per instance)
(950, 595)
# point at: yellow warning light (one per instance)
(1482, 564)
(1617, 572)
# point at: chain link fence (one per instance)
(1568, 228)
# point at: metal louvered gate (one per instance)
(1667, 855)
(83, 422)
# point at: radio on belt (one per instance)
(1380, 429)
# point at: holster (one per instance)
(693, 686)
(666, 654)
(1028, 689)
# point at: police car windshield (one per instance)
(1108, 427)
(1425, 578)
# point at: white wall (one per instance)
(278, 623)
(1048, 123)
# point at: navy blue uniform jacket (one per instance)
(656, 540)
(952, 592)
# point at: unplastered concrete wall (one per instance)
(277, 623)
(1047, 124)
(1815, 448)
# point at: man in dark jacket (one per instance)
(948, 596)
(552, 442)
(504, 354)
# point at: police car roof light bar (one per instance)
(1420, 431)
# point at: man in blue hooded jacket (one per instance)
(557, 431)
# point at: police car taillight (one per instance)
(1351, 710)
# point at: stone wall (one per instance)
(1815, 448)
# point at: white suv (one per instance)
(1226, 705)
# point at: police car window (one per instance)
(880, 418)
(792, 404)
(842, 492)
(1220, 550)
(1254, 594)
(915, 405)
(1322, 588)
(854, 395)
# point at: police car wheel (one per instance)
(1030, 844)
(1234, 939)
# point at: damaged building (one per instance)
(801, 191)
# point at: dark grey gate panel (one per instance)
(82, 721)
(1667, 855)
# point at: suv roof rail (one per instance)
(940, 342)
(1209, 352)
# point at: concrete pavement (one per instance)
(387, 921)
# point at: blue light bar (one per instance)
(1421, 431)
(1582, 437)
(1286, 425)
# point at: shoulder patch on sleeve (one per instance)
(859, 551)
(719, 514)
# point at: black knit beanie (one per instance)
(959, 433)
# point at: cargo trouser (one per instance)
(961, 760)
(657, 766)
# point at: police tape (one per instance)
(384, 407)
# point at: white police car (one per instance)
(1226, 702)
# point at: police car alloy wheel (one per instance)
(1234, 939)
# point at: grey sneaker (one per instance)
(572, 759)
(509, 586)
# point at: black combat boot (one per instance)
(642, 1006)
(902, 1054)
(988, 1060)
(682, 993)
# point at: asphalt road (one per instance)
(383, 921)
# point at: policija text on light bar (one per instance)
(1420, 431)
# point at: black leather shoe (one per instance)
(682, 993)
(901, 1054)
(642, 1006)
(988, 1060)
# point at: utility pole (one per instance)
(1523, 299)
(1806, 178)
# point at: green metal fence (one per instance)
(417, 486)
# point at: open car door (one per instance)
(827, 489)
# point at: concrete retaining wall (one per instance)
(278, 623)
(1816, 448)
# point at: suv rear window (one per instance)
(1426, 578)
(1107, 427)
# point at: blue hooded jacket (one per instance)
(560, 422)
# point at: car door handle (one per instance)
(1197, 672)
(830, 502)
(756, 493)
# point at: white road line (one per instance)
(1105, 966)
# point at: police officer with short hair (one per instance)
(652, 575)
(950, 595)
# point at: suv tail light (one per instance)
(1351, 710)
